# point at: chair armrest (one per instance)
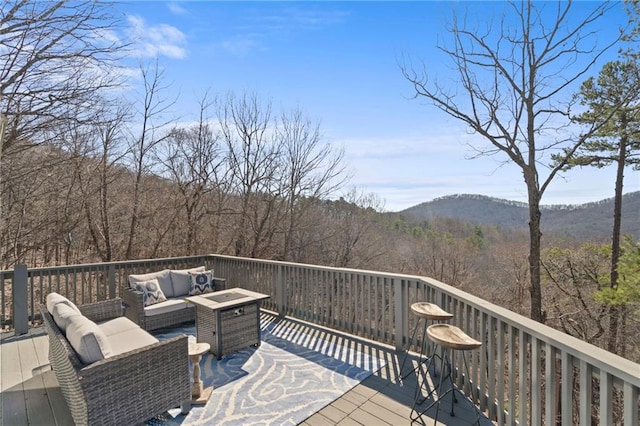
(134, 305)
(102, 311)
(144, 382)
(220, 283)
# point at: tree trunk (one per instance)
(614, 311)
(535, 237)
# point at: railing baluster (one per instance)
(536, 374)
(31, 310)
(512, 375)
(550, 394)
(567, 388)
(491, 376)
(606, 396)
(630, 404)
(500, 376)
(585, 393)
(522, 376)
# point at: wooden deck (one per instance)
(31, 395)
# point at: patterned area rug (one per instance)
(295, 372)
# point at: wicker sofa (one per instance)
(175, 285)
(135, 378)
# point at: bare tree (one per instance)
(193, 159)
(354, 237)
(54, 57)
(515, 86)
(311, 170)
(97, 157)
(151, 121)
(252, 155)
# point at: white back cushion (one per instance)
(86, 338)
(181, 280)
(55, 298)
(62, 314)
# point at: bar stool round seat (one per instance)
(450, 338)
(430, 311)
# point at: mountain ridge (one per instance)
(579, 221)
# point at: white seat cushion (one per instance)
(62, 314)
(55, 298)
(181, 279)
(163, 277)
(86, 338)
(117, 325)
(130, 340)
(170, 305)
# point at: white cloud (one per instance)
(156, 40)
(260, 24)
(241, 44)
(296, 18)
(177, 9)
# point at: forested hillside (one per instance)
(591, 221)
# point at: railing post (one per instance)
(112, 281)
(280, 292)
(20, 300)
(400, 292)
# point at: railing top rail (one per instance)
(106, 265)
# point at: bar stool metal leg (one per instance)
(401, 376)
(449, 338)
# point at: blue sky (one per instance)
(339, 62)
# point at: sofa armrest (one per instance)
(133, 306)
(102, 311)
(220, 283)
(140, 383)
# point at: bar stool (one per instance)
(425, 312)
(450, 338)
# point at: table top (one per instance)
(198, 348)
(227, 298)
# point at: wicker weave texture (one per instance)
(125, 389)
(135, 310)
(225, 331)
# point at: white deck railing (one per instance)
(525, 372)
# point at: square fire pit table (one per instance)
(228, 320)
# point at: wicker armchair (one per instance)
(134, 310)
(128, 388)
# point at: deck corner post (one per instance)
(20, 299)
(112, 281)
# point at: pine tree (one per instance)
(616, 95)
